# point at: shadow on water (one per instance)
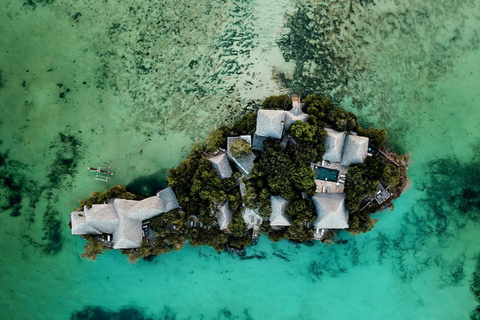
(150, 184)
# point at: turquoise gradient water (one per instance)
(136, 83)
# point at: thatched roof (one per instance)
(145, 209)
(293, 115)
(331, 211)
(168, 200)
(79, 224)
(355, 150)
(245, 163)
(123, 206)
(252, 218)
(102, 217)
(224, 215)
(334, 142)
(123, 218)
(270, 123)
(128, 235)
(278, 217)
(221, 165)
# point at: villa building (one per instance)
(122, 220)
(278, 218)
(341, 150)
(252, 218)
(221, 165)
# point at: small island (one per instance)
(295, 170)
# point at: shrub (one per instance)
(281, 102)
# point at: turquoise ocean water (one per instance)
(137, 82)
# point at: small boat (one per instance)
(103, 172)
(100, 170)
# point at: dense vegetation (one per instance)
(281, 169)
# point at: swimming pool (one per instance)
(322, 173)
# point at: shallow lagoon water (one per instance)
(137, 84)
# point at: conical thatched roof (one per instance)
(334, 143)
(331, 211)
(278, 217)
(355, 150)
(270, 123)
(221, 165)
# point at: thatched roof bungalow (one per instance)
(122, 218)
(331, 211)
(221, 165)
(251, 218)
(270, 123)
(278, 217)
(355, 150)
(334, 142)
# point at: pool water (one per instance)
(322, 173)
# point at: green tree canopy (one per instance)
(281, 102)
(391, 175)
(377, 137)
(237, 226)
(303, 179)
(240, 148)
(318, 106)
(342, 120)
(245, 124)
(304, 132)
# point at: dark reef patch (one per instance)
(134, 313)
(52, 231)
(452, 194)
(306, 43)
(475, 289)
(98, 313)
(259, 256)
(13, 185)
(21, 195)
(2, 81)
(32, 4)
(68, 152)
(448, 205)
